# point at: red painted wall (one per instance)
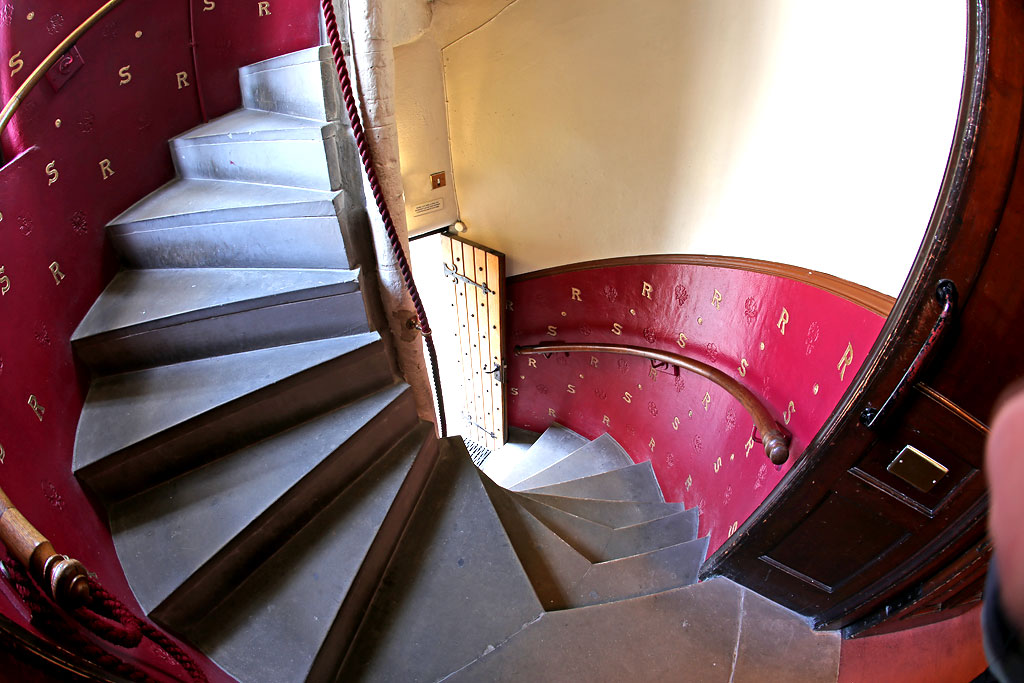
(796, 346)
(55, 199)
(949, 651)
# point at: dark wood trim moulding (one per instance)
(867, 298)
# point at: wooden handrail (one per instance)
(65, 579)
(773, 438)
(51, 59)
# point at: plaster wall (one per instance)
(423, 135)
(786, 130)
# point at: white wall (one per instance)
(423, 135)
(803, 131)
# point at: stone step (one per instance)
(554, 444)
(518, 441)
(600, 543)
(454, 589)
(283, 621)
(633, 483)
(713, 631)
(603, 454)
(297, 242)
(141, 428)
(158, 317)
(253, 146)
(302, 83)
(184, 543)
(193, 201)
(686, 634)
(610, 513)
(564, 579)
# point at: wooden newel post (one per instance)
(63, 578)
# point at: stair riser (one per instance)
(305, 89)
(304, 242)
(309, 164)
(238, 423)
(262, 323)
(364, 586)
(601, 544)
(613, 514)
(634, 483)
(211, 583)
(554, 444)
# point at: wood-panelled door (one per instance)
(477, 278)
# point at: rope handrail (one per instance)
(773, 438)
(366, 156)
(37, 74)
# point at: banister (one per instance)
(773, 438)
(64, 579)
(37, 74)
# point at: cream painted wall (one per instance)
(423, 135)
(808, 132)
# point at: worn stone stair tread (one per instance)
(599, 543)
(610, 513)
(564, 579)
(246, 498)
(271, 627)
(689, 633)
(518, 442)
(454, 589)
(187, 201)
(138, 297)
(634, 483)
(554, 444)
(301, 83)
(298, 242)
(603, 454)
(161, 410)
(245, 124)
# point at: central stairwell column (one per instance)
(372, 68)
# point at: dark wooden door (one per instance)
(871, 518)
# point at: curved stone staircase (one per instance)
(273, 497)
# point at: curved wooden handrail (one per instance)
(65, 579)
(51, 59)
(774, 439)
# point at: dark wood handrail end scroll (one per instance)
(64, 579)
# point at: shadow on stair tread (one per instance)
(140, 428)
(272, 626)
(454, 573)
(603, 454)
(600, 543)
(187, 539)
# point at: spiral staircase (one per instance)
(274, 498)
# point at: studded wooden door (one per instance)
(477, 279)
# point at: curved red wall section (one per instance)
(55, 200)
(794, 345)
